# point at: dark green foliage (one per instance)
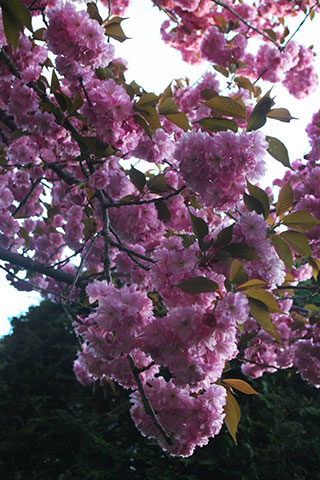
(52, 428)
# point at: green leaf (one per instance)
(77, 102)
(285, 199)
(12, 28)
(241, 250)
(260, 312)
(113, 29)
(148, 100)
(278, 151)
(213, 124)
(169, 109)
(224, 236)
(163, 211)
(95, 146)
(237, 272)
(158, 184)
(233, 414)
(302, 219)
(281, 114)
(17, 10)
(137, 178)
(221, 70)
(143, 124)
(54, 82)
(264, 297)
(90, 228)
(104, 73)
(24, 234)
(252, 204)
(298, 241)
(226, 106)
(38, 34)
(254, 282)
(283, 250)
(208, 93)
(244, 82)
(198, 285)
(199, 226)
(93, 12)
(258, 115)
(168, 106)
(240, 385)
(149, 113)
(261, 196)
(63, 101)
(180, 119)
(315, 264)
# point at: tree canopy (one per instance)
(174, 270)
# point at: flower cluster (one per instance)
(216, 167)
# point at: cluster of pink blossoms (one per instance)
(192, 342)
(189, 420)
(215, 49)
(57, 177)
(216, 166)
(77, 37)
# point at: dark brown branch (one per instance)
(4, 137)
(106, 237)
(301, 23)
(164, 10)
(251, 27)
(264, 365)
(144, 202)
(7, 120)
(83, 259)
(85, 92)
(34, 266)
(129, 254)
(26, 198)
(145, 401)
(62, 174)
(122, 247)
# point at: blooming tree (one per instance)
(190, 264)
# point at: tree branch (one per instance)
(267, 37)
(26, 198)
(145, 401)
(300, 25)
(34, 266)
(144, 202)
(106, 236)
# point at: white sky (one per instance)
(153, 65)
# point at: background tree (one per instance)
(54, 428)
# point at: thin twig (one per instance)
(172, 17)
(26, 198)
(300, 25)
(122, 247)
(145, 401)
(36, 287)
(130, 254)
(4, 137)
(258, 364)
(144, 202)
(267, 37)
(83, 259)
(85, 92)
(106, 236)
